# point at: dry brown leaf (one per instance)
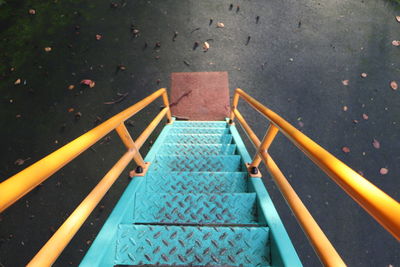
(70, 87)
(383, 171)
(376, 144)
(47, 49)
(364, 75)
(345, 108)
(71, 110)
(394, 85)
(32, 11)
(345, 82)
(345, 149)
(220, 25)
(20, 162)
(206, 46)
(398, 18)
(395, 43)
(98, 36)
(17, 81)
(365, 116)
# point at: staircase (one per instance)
(196, 206)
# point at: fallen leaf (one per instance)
(32, 11)
(355, 121)
(121, 67)
(78, 115)
(206, 46)
(360, 173)
(20, 162)
(71, 110)
(70, 87)
(376, 144)
(394, 85)
(301, 124)
(47, 49)
(220, 25)
(345, 149)
(18, 116)
(98, 36)
(88, 82)
(365, 116)
(17, 81)
(395, 43)
(364, 75)
(345, 82)
(383, 171)
(345, 108)
(398, 18)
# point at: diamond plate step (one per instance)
(188, 245)
(196, 182)
(231, 163)
(228, 208)
(203, 130)
(198, 124)
(195, 139)
(202, 149)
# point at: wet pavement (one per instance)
(293, 60)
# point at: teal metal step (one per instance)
(199, 124)
(203, 149)
(196, 139)
(192, 246)
(196, 182)
(231, 163)
(202, 130)
(234, 208)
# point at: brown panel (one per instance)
(202, 96)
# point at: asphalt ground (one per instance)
(294, 60)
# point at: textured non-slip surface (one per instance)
(196, 182)
(200, 149)
(177, 245)
(199, 139)
(236, 208)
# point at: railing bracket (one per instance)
(140, 170)
(253, 171)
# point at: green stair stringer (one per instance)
(196, 206)
(282, 250)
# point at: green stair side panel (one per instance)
(202, 130)
(195, 139)
(231, 163)
(282, 250)
(236, 208)
(200, 124)
(203, 149)
(192, 246)
(196, 182)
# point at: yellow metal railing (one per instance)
(20, 184)
(376, 202)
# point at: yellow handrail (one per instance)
(377, 203)
(20, 184)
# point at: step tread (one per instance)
(199, 138)
(196, 182)
(198, 130)
(189, 245)
(222, 163)
(226, 208)
(198, 149)
(198, 124)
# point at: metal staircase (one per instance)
(195, 206)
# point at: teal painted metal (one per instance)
(207, 246)
(233, 208)
(195, 185)
(195, 139)
(196, 182)
(231, 163)
(203, 149)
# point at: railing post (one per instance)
(265, 144)
(142, 166)
(234, 106)
(166, 104)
